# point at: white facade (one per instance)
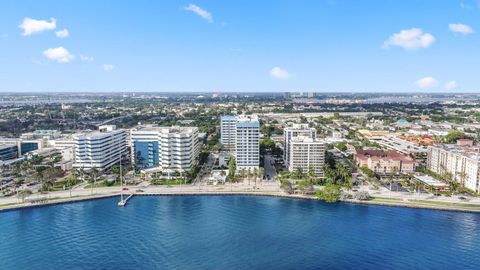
(292, 132)
(247, 144)
(306, 154)
(240, 136)
(99, 149)
(172, 148)
(463, 163)
(228, 132)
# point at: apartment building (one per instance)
(306, 153)
(228, 132)
(385, 162)
(99, 149)
(461, 160)
(247, 144)
(292, 132)
(174, 148)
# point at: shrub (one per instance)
(362, 196)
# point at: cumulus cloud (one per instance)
(60, 54)
(200, 12)
(280, 73)
(62, 33)
(410, 39)
(108, 67)
(32, 26)
(451, 85)
(427, 82)
(460, 28)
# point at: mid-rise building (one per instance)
(8, 152)
(292, 132)
(306, 153)
(173, 148)
(247, 144)
(99, 149)
(461, 161)
(385, 162)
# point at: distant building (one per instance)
(306, 153)
(292, 132)
(173, 148)
(385, 162)
(8, 152)
(461, 161)
(404, 147)
(99, 149)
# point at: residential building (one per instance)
(385, 162)
(292, 132)
(240, 137)
(306, 153)
(228, 131)
(247, 144)
(99, 149)
(173, 148)
(461, 161)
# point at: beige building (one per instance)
(385, 162)
(461, 160)
(306, 153)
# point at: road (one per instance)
(269, 165)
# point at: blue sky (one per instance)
(249, 45)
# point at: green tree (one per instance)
(453, 136)
(330, 193)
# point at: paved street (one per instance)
(269, 165)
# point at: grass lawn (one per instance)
(385, 199)
(169, 182)
(102, 184)
(452, 204)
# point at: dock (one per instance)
(123, 202)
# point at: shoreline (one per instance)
(376, 201)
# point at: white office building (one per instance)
(247, 144)
(99, 149)
(462, 161)
(307, 154)
(292, 132)
(164, 148)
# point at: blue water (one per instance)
(228, 232)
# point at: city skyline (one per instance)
(209, 46)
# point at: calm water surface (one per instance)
(229, 232)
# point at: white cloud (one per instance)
(280, 73)
(32, 26)
(86, 58)
(200, 12)
(460, 28)
(60, 54)
(62, 33)
(108, 67)
(427, 82)
(410, 39)
(451, 85)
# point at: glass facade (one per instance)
(8, 152)
(146, 154)
(28, 147)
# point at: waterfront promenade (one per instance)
(379, 197)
